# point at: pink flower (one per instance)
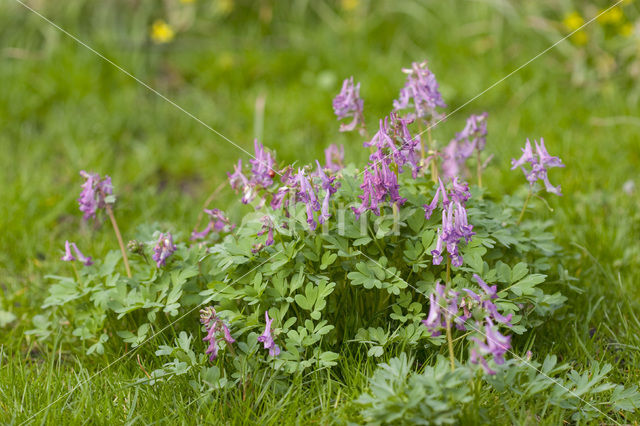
(267, 338)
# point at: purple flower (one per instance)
(94, 194)
(473, 137)
(474, 133)
(539, 163)
(68, 257)
(420, 92)
(163, 249)
(262, 171)
(213, 324)
(334, 158)
(267, 228)
(239, 181)
(267, 338)
(279, 198)
(440, 192)
(433, 322)
(218, 222)
(495, 345)
(349, 104)
(492, 291)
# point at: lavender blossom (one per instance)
(454, 228)
(420, 93)
(379, 183)
(213, 324)
(334, 158)
(495, 345)
(539, 163)
(95, 195)
(239, 181)
(68, 257)
(262, 167)
(267, 228)
(267, 338)
(218, 222)
(474, 133)
(349, 104)
(472, 138)
(163, 249)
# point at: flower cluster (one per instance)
(395, 148)
(267, 338)
(218, 222)
(539, 162)
(95, 194)
(349, 104)
(447, 308)
(68, 257)
(214, 325)
(334, 158)
(262, 173)
(420, 93)
(267, 227)
(297, 187)
(472, 138)
(455, 226)
(163, 249)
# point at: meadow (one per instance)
(268, 71)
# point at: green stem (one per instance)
(479, 170)
(119, 237)
(452, 358)
(434, 167)
(524, 208)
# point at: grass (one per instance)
(64, 109)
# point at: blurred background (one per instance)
(269, 69)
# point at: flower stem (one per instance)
(448, 318)
(434, 168)
(452, 359)
(479, 170)
(75, 271)
(524, 208)
(119, 237)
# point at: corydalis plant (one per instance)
(267, 338)
(421, 94)
(472, 139)
(348, 104)
(218, 222)
(455, 227)
(98, 194)
(68, 256)
(163, 249)
(539, 162)
(214, 327)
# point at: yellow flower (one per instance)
(224, 6)
(161, 32)
(580, 38)
(626, 30)
(187, 1)
(573, 21)
(612, 16)
(350, 5)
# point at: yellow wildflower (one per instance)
(224, 6)
(626, 30)
(580, 38)
(573, 21)
(161, 32)
(349, 5)
(612, 16)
